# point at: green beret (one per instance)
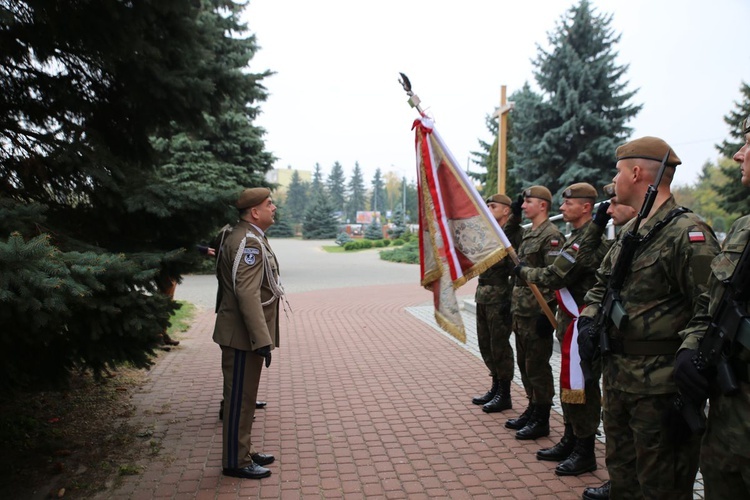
(609, 190)
(649, 148)
(745, 126)
(580, 190)
(252, 197)
(540, 192)
(498, 198)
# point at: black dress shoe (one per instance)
(260, 404)
(262, 458)
(600, 493)
(252, 471)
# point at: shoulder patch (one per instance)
(249, 256)
(696, 237)
(569, 257)
(554, 243)
(575, 246)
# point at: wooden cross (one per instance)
(502, 139)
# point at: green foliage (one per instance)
(374, 231)
(358, 245)
(297, 198)
(377, 200)
(408, 254)
(570, 132)
(343, 238)
(397, 242)
(320, 224)
(127, 134)
(281, 227)
(357, 197)
(336, 184)
(734, 199)
(398, 228)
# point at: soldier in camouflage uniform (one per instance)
(581, 408)
(540, 245)
(659, 295)
(493, 297)
(725, 450)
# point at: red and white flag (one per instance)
(458, 236)
(571, 375)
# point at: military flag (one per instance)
(458, 236)
(571, 375)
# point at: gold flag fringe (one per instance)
(573, 396)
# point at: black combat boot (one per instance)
(521, 421)
(501, 401)
(480, 400)
(538, 425)
(599, 493)
(581, 460)
(561, 450)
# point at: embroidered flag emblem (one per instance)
(575, 246)
(696, 237)
(554, 243)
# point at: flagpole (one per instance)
(415, 103)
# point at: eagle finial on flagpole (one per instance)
(413, 98)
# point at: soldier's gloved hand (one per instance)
(265, 352)
(588, 348)
(515, 207)
(544, 328)
(518, 268)
(601, 217)
(691, 383)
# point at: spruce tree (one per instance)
(281, 228)
(734, 199)
(398, 225)
(317, 185)
(113, 125)
(297, 198)
(320, 223)
(336, 184)
(377, 200)
(374, 231)
(357, 197)
(582, 116)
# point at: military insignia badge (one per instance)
(249, 256)
(554, 243)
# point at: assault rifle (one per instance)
(612, 312)
(728, 330)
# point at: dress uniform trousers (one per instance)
(241, 379)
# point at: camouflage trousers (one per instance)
(725, 450)
(533, 354)
(493, 335)
(643, 461)
(584, 418)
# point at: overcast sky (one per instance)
(335, 94)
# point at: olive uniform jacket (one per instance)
(242, 321)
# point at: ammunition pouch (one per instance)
(645, 347)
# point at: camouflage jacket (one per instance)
(566, 270)
(722, 268)
(593, 246)
(496, 284)
(539, 248)
(660, 296)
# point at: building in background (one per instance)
(283, 177)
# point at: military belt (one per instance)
(645, 347)
(491, 282)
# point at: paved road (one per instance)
(305, 267)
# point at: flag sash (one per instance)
(571, 375)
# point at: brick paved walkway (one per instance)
(364, 401)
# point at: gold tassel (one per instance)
(573, 396)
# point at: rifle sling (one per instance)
(675, 212)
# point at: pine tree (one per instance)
(582, 116)
(320, 223)
(336, 184)
(357, 197)
(735, 199)
(377, 200)
(297, 198)
(487, 160)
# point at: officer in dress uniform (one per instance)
(539, 246)
(659, 295)
(246, 327)
(725, 449)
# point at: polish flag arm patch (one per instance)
(696, 237)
